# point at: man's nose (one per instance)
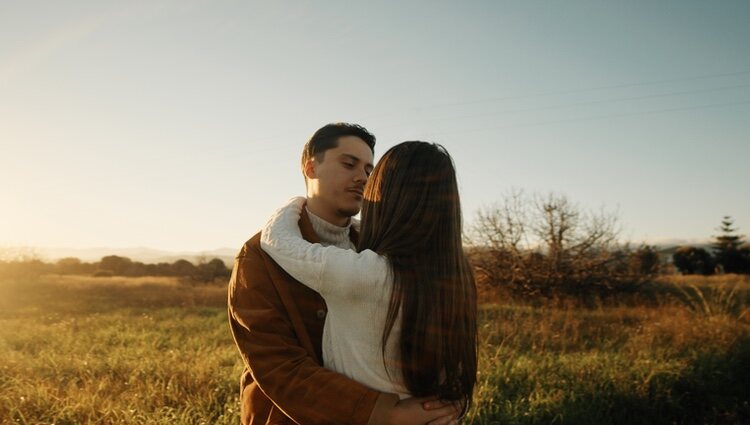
(361, 176)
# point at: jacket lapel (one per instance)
(281, 280)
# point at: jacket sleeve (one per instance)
(301, 388)
(328, 270)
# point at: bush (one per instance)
(548, 245)
(692, 260)
(645, 261)
(23, 269)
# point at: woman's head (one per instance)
(411, 198)
(412, 214)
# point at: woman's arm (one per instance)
(328, 270)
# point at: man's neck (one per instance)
(329, 234)
(315, 206)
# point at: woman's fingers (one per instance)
(444, 420)
(447, 411)
(427, 400)
(432, 403)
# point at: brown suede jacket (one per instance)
(277, 324)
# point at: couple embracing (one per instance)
(370, 322)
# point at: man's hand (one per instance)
(424, 410)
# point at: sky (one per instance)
(178, 125)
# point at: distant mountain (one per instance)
(681, 242)
(142, 254)
(667, 247)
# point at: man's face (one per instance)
(339, 180)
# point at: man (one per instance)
(277, 323)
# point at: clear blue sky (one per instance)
(179, 124)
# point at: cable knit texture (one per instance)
(356, 288)
(331, 234)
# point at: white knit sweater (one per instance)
(357, 290)
(331, 234)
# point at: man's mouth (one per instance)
(358, 192)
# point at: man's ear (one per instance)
(309, 169)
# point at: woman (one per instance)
(401, 310)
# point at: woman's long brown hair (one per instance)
(412, 215)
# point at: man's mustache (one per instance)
(360, 189)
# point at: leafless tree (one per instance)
(547, 244)
(502, 233)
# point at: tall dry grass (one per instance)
(683, 356)
(153, 351)
(115, 350)
(727, 294)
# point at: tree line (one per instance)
(113, 265)
(728, 254)
(532, 244)
(548, 245)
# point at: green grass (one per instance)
(634, 365)
(116, 353)
(149, 350)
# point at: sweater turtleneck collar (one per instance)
(330, 234)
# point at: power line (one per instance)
(594, 118)
(572, 105)
(570, 91)
(617, 86)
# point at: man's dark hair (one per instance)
(327, 137)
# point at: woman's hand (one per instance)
(424, 410)
(436, 403)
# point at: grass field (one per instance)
(150, 350)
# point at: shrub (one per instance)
(548, 245)
(692, 260)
